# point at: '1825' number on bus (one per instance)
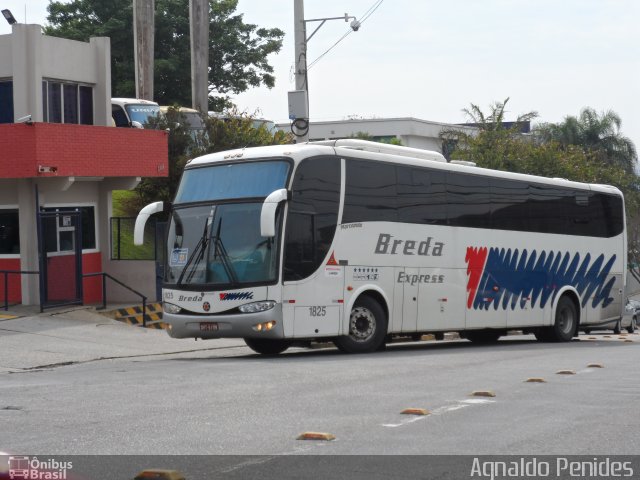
(317, 311)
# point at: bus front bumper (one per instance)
(239, 325)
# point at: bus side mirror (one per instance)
(141, 220)
(268, 212)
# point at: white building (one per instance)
(412, 132)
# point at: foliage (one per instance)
(596, 133)
(494, 146)
(238, 51)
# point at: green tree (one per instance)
(238, 51)
(597, 133)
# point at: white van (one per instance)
(133, 112)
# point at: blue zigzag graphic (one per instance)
(510, 278)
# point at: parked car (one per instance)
(628, 322)
(630, 317)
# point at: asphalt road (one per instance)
(233, 402)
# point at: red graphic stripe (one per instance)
(475, 258)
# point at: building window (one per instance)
(67, 103)
(9, 232)
(60, 234)
(6, 101)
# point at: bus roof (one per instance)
(385, 153)
(132, 101)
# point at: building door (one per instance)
(60, 251)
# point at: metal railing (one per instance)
(122, 247)
(6, 274)
(104, 293)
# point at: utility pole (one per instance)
(199, 29)
(143, 38)
(300, 39)
(299, 99)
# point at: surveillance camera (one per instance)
(355, 25)
(25, 119)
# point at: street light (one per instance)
(299, 99)
(6, 13)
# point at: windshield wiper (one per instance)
(220, 250)
(198, 251)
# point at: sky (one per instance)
(430, 59)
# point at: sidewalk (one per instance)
(35, 340)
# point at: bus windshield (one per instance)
(214, 234)
(232, 181)
(142, 113)
(220, 245)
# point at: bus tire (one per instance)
(565, 325)
(267, 346)
(367, 328)
(483, 336)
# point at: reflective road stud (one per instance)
(415, 411)
(595, 365)
(316, 436)
(483, 393)
(535, 380)
(565, 372)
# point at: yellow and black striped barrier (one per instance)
(133, 316)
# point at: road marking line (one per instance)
(405, 422)
(477, 401)
(441, 411)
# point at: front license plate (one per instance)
(208, 326)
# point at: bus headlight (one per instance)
(171, 308)
(257, 306)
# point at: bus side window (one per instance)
(312, 217)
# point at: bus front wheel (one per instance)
(267, 346)
(367, 327)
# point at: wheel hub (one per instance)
(362, 324)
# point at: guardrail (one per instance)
(6, 274)
(104, 276)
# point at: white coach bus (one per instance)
(358, 242)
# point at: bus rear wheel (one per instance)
(367, 328)
(566, 322)
(266, 346)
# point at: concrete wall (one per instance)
(138, 274)
(29, 57)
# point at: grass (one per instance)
(121, 203)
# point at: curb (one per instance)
(133, 316)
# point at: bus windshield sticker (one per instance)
(179, 257)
